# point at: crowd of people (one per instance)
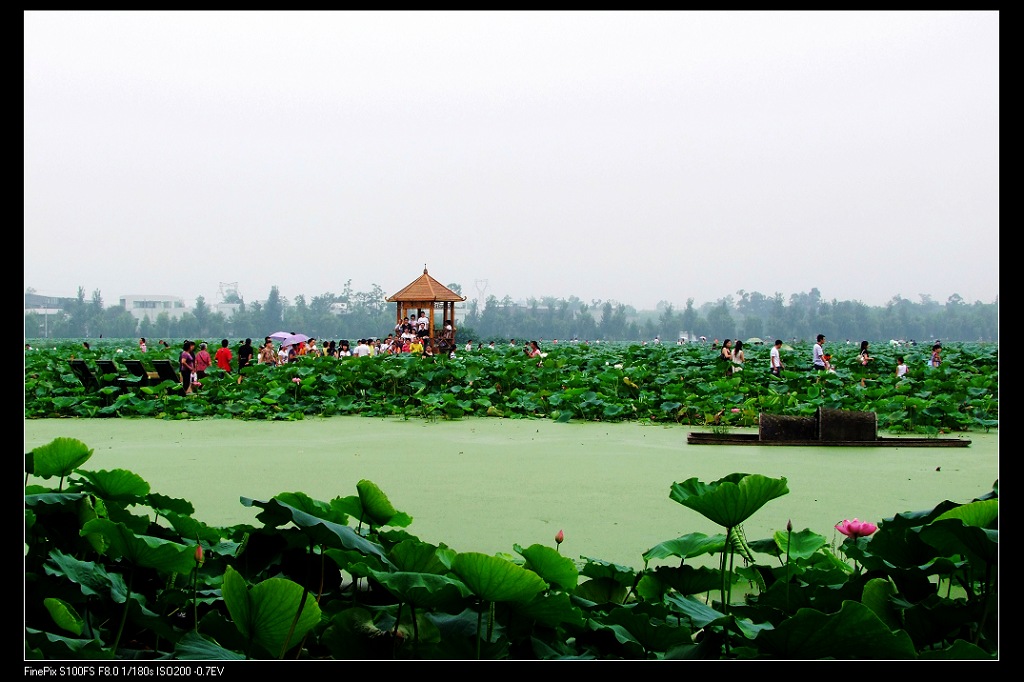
(412, 336)
(731, 357)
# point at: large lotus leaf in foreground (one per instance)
(731, 500)
(266, 613)
(495, 579)
(59, 457)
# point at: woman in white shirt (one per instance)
(737, 357)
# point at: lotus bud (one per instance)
(559, 537)
(199, 554)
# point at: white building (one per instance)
(141, 305)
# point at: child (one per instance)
(935, 360)
(827, 357)
(901, 367)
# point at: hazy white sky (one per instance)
(634, 156)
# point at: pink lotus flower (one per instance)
(856, 529)
(297, 380)
(559, 537)
(736, 410)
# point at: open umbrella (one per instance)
(753, 340)
(280, 336)
(294, 339)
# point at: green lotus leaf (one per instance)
(64, 615)
(164, 504)
(304, 502)
(877, 596)
(696, 611)
(855, 632)
(552, 609)
(604, 590)
(194, 647)
(686, 547)
(550, 565)
(375, 503)
(426, 590)
(800, 545)
(651, 627)
(597, 568)
(981, 513)
(958, 651)
(118, 485)
(688, 579)
(731, 500)
(418, 557)
(142, 550)
(92, 578)
(321, 531)
(952, 537)
(61, 499)
(495, 579)
(56, 647)
(353, 634)
(59, 457)
(193, 529)
(266, 612)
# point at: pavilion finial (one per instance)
(424, 268)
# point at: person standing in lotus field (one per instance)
(223, 356)
(725, 356)
(245, 354)
(776, 358)
(863, 358)
(186, 365)
(738, 358)
(202, 361)
(818, 361)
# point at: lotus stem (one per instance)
(195, 604)
(789, 575)
(124, 612)
(295, 620)
(724, 568)
(479, 624)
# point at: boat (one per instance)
(827, 428)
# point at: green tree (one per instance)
(201, 312)
(272, 313)
(720, 321)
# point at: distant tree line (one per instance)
(366, 313)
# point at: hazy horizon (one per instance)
(634, 156)
(471, 296)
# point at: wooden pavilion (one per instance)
(425, 294)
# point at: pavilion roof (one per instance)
(425, 288)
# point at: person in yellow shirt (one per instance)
(416, 346)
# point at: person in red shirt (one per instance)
(223, 356)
